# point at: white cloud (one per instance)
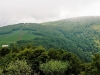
(91, 9)
(17, 11)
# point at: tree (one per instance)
(54, 67)
(4, 51)
(94, 67)
(18, 68)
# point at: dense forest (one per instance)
(36, 60)
(72, 45)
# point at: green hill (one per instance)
(13, 33)
(79, 35)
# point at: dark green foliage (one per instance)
(45, 62)
(34, 55)
(37, 55)
(4, 51)
(55, 54)
(93, 68)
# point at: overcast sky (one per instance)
(36, 11)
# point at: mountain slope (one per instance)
(79, 35)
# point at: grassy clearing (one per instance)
(15, 36)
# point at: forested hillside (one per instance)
(78, 35)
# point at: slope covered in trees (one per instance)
(78, 35)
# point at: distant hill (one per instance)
(80, 35)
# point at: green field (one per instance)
(16, 36)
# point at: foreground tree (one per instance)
(4, 51)
(94, 67)
(54, 67)
(18, 68)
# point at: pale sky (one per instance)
(37, 11)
